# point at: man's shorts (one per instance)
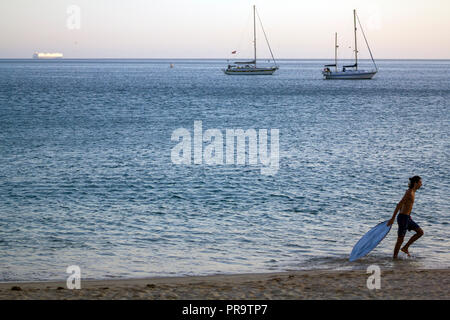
(405, 223)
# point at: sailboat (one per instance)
(354, 73)
(250, 67)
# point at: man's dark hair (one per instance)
(413, 181)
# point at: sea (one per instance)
(89, 175)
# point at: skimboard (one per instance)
(370, 240)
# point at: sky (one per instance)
(396, 29)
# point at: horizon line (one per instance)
(227, 59)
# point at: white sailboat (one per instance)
(250, 67)
(350, 72)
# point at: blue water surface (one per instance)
(86, 176)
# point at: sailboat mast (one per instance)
(335, 50)
(356, 43)
(254, 31)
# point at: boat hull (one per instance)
(250, 72)
(349, 75)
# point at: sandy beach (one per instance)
(301, 285)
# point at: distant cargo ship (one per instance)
(42, 55)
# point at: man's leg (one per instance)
(398, 245)
(419, 233)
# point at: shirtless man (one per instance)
(404, 218)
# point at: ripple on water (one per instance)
(86, 175)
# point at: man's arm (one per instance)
(398, 207)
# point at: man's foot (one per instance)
(405, 250)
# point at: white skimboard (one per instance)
(370, 240)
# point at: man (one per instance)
(404, 218)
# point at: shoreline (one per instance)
(297, 285)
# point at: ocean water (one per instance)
(87, 179)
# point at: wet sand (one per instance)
(317, 284)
